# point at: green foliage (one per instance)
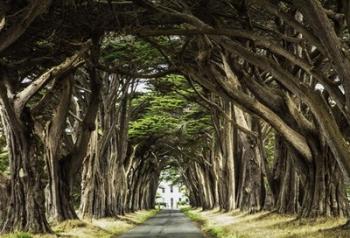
(169, 114)
(127, 51)
(167, 111)
(269, 144)
(162, 117)
(170, 175)
(347, 187)
(125, 48)
(4, 160)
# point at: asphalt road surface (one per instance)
(167, 223)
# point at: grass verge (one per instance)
(265, 224)
(101, 228)
(210, 229)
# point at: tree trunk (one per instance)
(285, 185)
(251, 188)
(223, 150)
(228, 156)
(94, 183)
(26, 210)
(4, 196)
(325, 188)
(59, 206)
(214, 173)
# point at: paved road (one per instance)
(167, 223)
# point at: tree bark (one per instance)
(59, 206)
(324, 193)
(285, 179)
(26, 210)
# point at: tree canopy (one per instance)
(247, 100)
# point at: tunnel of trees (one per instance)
(247, 100)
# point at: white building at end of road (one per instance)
(170, 195)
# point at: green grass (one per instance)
(265, 224)
(18, 235)
(216, 231)
(212, 231)
(141, 218)
(106, 227)
(196, 217)
(102, 228)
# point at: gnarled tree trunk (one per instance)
(26, 210)
(59, 206)
(324, 193)
(286, 182)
